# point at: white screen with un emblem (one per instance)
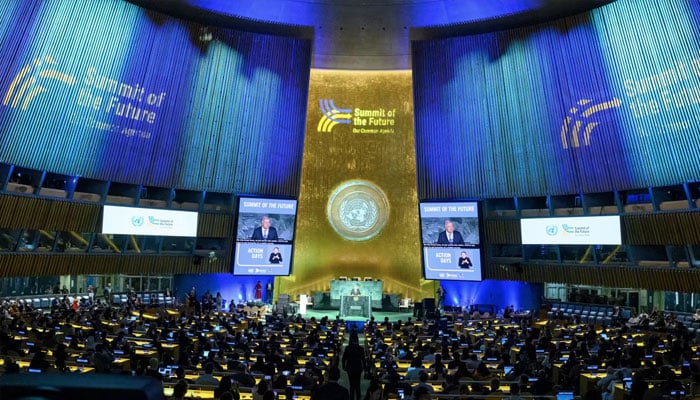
(118, 220)
(596, 230)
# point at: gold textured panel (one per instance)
(46, 264)
(339, 148)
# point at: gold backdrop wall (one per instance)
(380, 155)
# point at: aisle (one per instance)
(343, 375)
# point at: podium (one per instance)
(355, 306)
(373, 289)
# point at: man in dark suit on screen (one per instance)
(450, 235)
(265, 231)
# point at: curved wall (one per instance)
(111, 91)
(601, 101)
(371, 35)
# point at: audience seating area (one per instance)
(493, 359)
(146, 298)
(239, 343)
(586, 313)
(45, 301)
(571, 350)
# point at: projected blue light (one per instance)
(109, 91)
(521, 295)
(567, 107)
(239, 288)
(414, 14)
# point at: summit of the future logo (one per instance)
(332, 116)
(33, 80)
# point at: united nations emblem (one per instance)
(137, 220)
(358, 210)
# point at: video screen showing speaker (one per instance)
(451, 240)
(264, 236)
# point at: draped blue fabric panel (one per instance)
(600, 101)
(520, 295)
(107, 90)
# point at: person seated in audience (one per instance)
(60, 356)
(543, 386)
(374, 390)
(388, 362)
(39, 361)
(450, 385)
(229, 396)
(437, 368)
(180, 390)
(305, 379)
(103, 359)
(243, 376)
(422, 393)
(482, 371)
(423, 384)
(331, 390)
(429, 355)
(11, 366)
(414, 370)
(494, 387)
(260, 389)
(279, 382)
(149, 368)
(207, 378)
(259, 365)
(180, 375)
(226, 386)
(211, 358)
(455, 362)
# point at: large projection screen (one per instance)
(603, 230)
(118, 220)
(451, 240)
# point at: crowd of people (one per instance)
(539, 358)
(230, 351)
(237, 347)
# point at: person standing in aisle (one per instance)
(354, 364)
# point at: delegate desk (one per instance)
(373, 289)
(355, 306)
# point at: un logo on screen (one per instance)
(552, 230)
(358, 210)
(137, 220)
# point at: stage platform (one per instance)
(378, 315)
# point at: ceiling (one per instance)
(369, 34)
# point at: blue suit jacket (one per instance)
(456, 238)
(271, 234)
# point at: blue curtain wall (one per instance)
(604, 100)
(107, 90)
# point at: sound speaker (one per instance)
(429, 308)
(418, 310)
(318, 300)
(429, 304)
(390, 302)
(79, 386)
